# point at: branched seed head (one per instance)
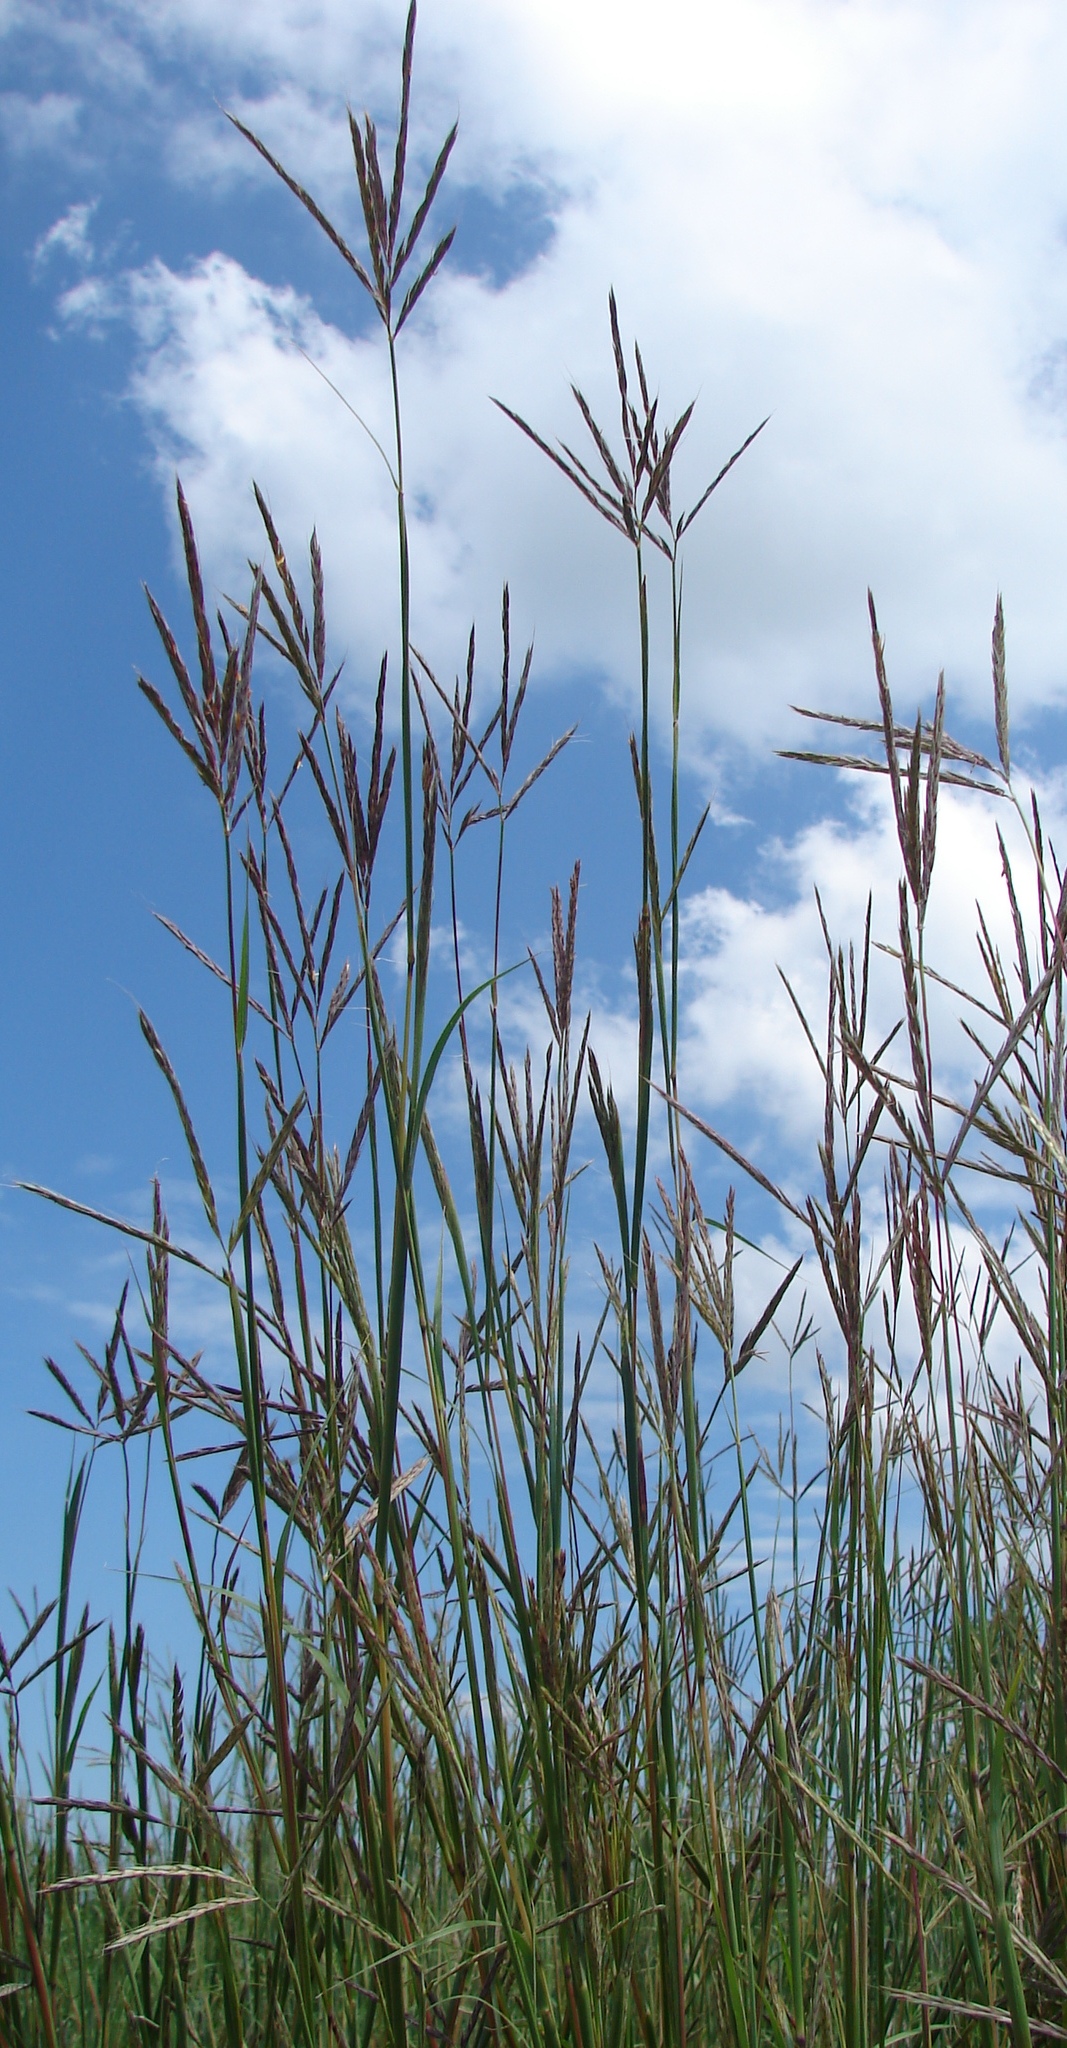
(389, 252)
(633, 492)
(220, 712)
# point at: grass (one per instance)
(493, 1736)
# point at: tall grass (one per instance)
(493, 1735)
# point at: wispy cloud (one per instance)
(68, 236)
(44, 126)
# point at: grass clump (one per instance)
(494, 1734)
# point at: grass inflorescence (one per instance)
(495, 1734)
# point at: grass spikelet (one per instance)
(625, 1609)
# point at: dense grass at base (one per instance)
(494, 1732)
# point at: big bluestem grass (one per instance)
(493, 1734)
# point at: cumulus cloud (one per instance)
(848, 217)
(744, 1043)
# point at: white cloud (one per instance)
(68, 236)
(744, 1048)
(45, 126)
(848, 216)
(203, 149)
(93, 305)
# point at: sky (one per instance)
(847, 216)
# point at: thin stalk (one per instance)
(246, 1334)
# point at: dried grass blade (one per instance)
(162, 1061)
(266, 1169)
(400, 154)
(747, 1166)
(688, 517)
(570, 472)
(425, 203)
(536, 773)
(172, 1921)
(203, 763)
(306, 200)
(196, 594)
(601, 444)
(423, 279)
(205, 960)
(154, 1239)
(1000, 689)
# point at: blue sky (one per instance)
(852, 217)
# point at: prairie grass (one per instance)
(495, 1733)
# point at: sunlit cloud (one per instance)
(889, 286)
